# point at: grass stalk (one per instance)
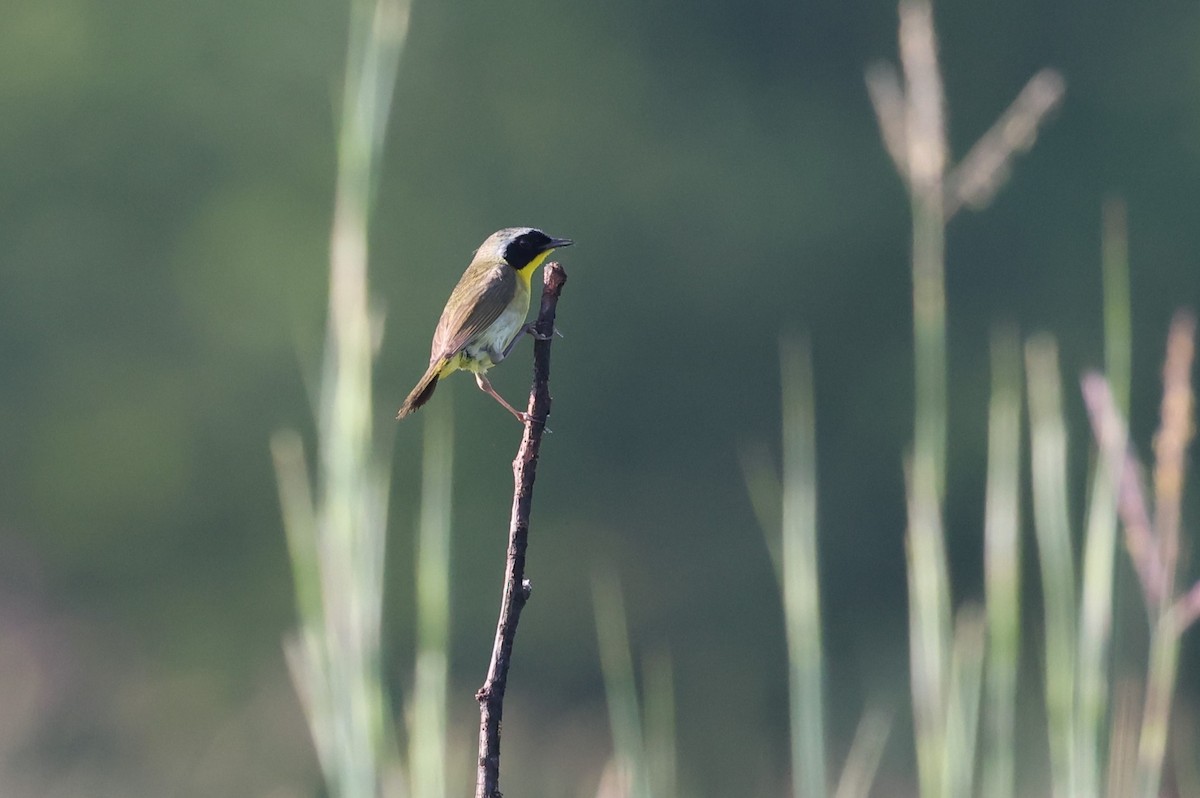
(866, 750)
(1096, 612)
(337, 543)
(427, 737)
(1123, 742)
(620, 688)
(965, 689)
(1002, 566)
(912, 123)
(1187, 770)
(1156, 712)
(801, 587)
(1118, 326)
(926, 164)
(928, 630)
(765, 492)
(1096, 602)
(661, 754)
(1048, 443)
(1170, 451)
(928, 577)
(644, 763)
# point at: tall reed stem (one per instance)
(337, 544)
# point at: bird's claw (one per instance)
(526, 418)
(539, 336)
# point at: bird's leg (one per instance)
(486, 387)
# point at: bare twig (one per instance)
(516, 587)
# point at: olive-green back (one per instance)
(482, 294)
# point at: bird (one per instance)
(484, 317)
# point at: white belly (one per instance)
(487, 350)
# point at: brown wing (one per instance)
(478, 300)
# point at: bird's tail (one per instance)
(420, 395)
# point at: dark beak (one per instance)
(555, 243)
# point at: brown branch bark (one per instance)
(516, 587)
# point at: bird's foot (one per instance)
(531, 330)
(526, 418)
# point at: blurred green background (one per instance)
(166, 175)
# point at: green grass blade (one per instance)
(1187, 770)
(661, 753)
(1156, 713)
(1002, 565)
(428, 730)
(1096, 603)
(926, 162)
(928, 629)
(1123, 742)
(299, 521)
(962, 722)
(801, 594)
(866, 750)
(1118, 326)
(335, 656)
(766, 500)
(1170, 475)
(1048, 444)
(624, 713)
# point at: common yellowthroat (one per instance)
(485, 315)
